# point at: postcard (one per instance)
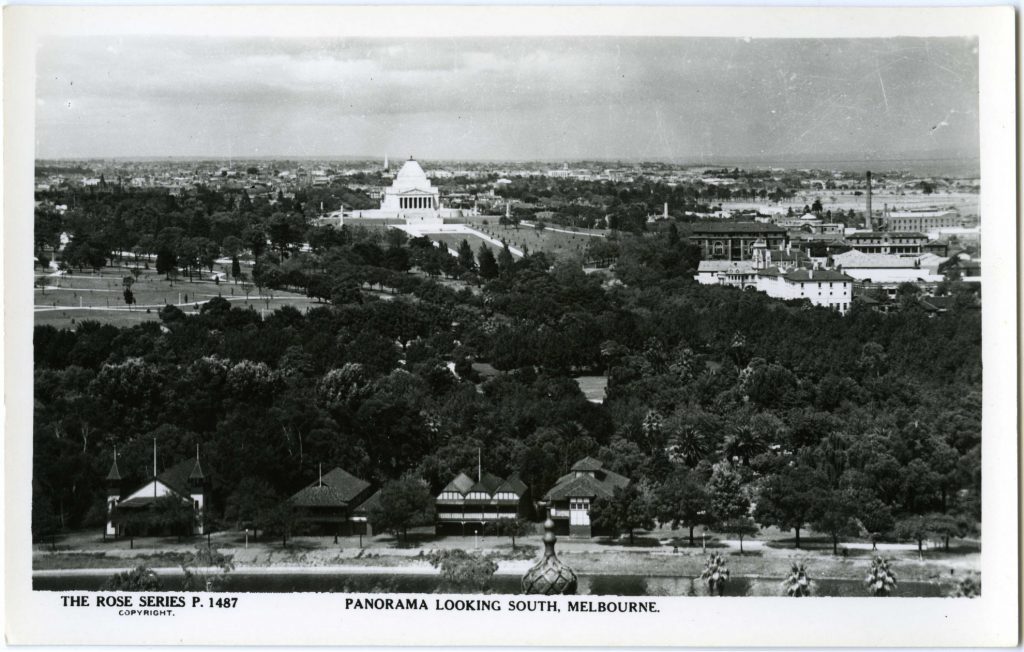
(520, 326)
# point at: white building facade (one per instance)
(822, 287)
(411, 198)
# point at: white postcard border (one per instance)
(289, 619)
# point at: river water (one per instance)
(627, 585)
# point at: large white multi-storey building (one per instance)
(822, 287)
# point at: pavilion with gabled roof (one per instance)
(185, 481)
(479, 504)
(336, 503)
(570, 500)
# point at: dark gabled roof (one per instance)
(795, 254)
(461, 484)
(319, 496)
(114, 475)
(337, 488)
(737, 227)
(513, 485)
(345, 482)
(369, 503)
(177, 477)
(612, 478)
(601, 484)
(488, 483)
(583, 486)
(587, 464)
(935, 303)
(817, 275)
(586, 486)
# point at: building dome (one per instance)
(550, 575)
(412, 175)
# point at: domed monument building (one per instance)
(411, 198)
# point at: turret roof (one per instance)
(114, 473)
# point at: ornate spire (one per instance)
(197, 470)
(115, 474)
(549, 576)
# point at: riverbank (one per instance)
(686, 562)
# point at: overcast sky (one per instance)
(513, 98)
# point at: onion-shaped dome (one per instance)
(549, 576)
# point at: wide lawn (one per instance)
(63, 300)
(556, 243)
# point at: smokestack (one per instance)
(867, 217)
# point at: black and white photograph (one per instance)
(510, 324)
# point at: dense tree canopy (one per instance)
(717, 399)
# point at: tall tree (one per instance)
(628, 509)
(466, 260)
(682, 500)
(403, 503)
(834, 513)
(488, 264)
(786, 498)
(506, 263)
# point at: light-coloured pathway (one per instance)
(456, 229)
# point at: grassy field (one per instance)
(595, 388)
(76, 296)
(453, 240)
(556, 243)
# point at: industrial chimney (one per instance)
(867, 216)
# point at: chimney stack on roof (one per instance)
(867, 216)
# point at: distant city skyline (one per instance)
(695, 100)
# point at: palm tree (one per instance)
(744, 443)
(715, 574)
(881, 581)
(687, 444)
(797, 584)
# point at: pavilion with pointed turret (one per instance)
(184, 481)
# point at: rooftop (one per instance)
(177, 477)
(461, 484)
(737, 227)
(726, 265)
(816, 275)
(587, 464)
(601, 484)
(856, 259)
(489, 484)
(860, 235)
(337, 488)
